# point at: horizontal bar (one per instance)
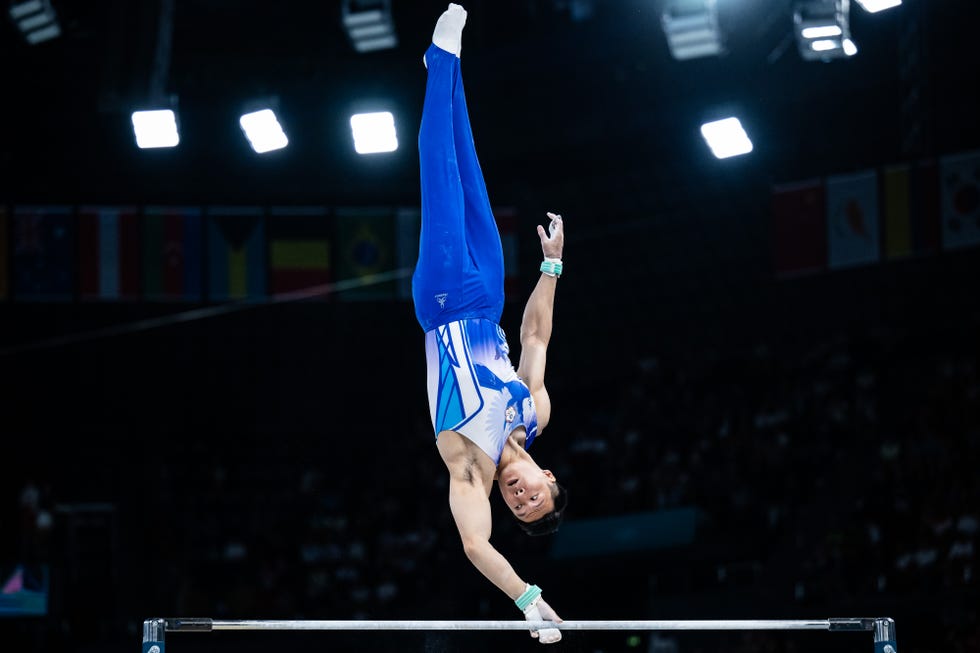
(207, 625)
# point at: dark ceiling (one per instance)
(563, 106)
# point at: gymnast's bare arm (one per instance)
(537, 322)
(471, 476)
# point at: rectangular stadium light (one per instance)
(19, 10)
(263, 131)
(155, 128)
(821, 32)
(874, 6)
(374, 132)
(691, 28)
(824, 45)
(36, 20)
(726, 138)
(369, 24)
(823, 29)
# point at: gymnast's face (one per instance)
(526, 489)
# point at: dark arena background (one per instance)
(764, 368)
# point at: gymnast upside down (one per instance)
(485, 414)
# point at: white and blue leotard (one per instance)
(473, 388)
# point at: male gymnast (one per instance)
(485, 415)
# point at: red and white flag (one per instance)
(109, 253)
(852, 220)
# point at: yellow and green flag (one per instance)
(367, 257)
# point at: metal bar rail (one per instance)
(154, 630)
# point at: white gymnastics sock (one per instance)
(448, 34)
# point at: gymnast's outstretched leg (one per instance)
(482, 235)
(460, 269)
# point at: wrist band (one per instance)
(529, 596)
(551, 267)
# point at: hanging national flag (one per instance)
(108, 253)
(799, 233)
(236, 253)
(44, 253)
(409, 222)
(961, 200)
(4, 262)
(852, 220)
(507, 227)
(299, 250)
(366, 240)
(910, 209)
(896, 211)
(926, 207)
(172, 253)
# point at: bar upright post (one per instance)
(154, 631)
(885, 641)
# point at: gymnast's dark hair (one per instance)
(550, 522)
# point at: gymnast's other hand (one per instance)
(553, 240)
(541, 611)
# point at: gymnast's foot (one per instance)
(448, 34)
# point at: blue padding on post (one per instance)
(880, 647)
(153, 647)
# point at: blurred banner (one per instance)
(961, 200)
(24, 590)
(366, 245)
(409, 229)
(108, 253)
(4, 262)
(172, 253)
(638, 532)
(507, 226)
(44, 253)
(910, 209)
(299, 249)
(236, 253)
(799, 233)
(852, 220)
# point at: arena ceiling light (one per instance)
(691, 28)
(726, 138)
(263, 131)
(155, 128)
(369, 24)
(36, 20)
(874, 6)
(374, 132)
(823, 29)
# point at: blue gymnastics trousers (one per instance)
(460, 269)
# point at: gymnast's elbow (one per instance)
(474, 547)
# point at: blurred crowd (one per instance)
(845, 470)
